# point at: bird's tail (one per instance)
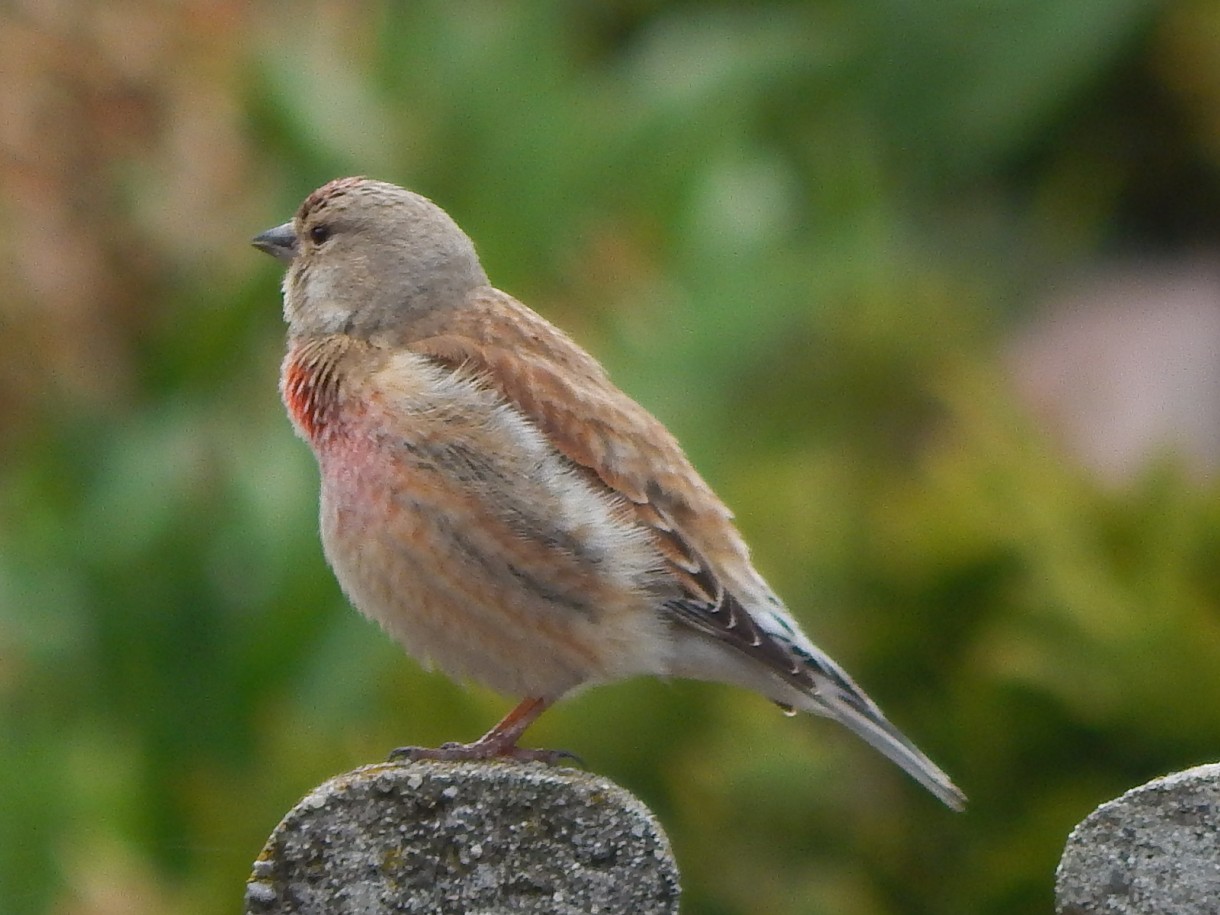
(887, 739)
(836, 696)
(776, 659)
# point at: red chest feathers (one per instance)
(309, 386)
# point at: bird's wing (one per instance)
(569, 397)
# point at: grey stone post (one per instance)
(1153, 851)
(469, 837)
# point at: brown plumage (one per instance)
(498, 505)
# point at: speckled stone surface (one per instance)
(465, 837)
(1154, 850)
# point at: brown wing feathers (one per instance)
(628, 450)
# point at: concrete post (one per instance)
(465, 837)
(1153, 851)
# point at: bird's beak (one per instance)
(280, 242)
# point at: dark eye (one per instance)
(319, 233)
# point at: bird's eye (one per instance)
(319, 234)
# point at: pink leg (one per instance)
(498, 743)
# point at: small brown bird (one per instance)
(498, 505)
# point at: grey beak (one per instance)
(280, 242)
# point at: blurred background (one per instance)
(930, 292)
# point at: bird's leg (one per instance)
(498, 743)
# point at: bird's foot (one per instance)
(498, 743)
(484, 750)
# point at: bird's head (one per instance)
(366, 258)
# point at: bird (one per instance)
(499, 506)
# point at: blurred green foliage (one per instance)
(799, 232)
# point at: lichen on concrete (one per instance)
(470, 837)
(1154, 850)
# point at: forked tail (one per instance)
(886, 738)
(837, 696)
